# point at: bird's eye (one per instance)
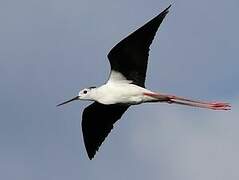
(84, 91)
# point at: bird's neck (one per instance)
(93, 94)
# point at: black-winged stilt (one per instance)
(125, 87)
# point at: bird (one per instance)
(125, 87)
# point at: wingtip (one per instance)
(91, 155)
(91, 152)
(167, 9)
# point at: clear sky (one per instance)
(50, 49)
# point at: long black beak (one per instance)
(73, 99)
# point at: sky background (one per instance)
(50, 49)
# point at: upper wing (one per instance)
(97, 122)
(130, 56)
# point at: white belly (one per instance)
(117, 93)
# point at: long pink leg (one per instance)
(189, 102)
(213, 106)
(172, 97)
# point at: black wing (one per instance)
(97, 122)
(130, 56)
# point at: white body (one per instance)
(125, 93)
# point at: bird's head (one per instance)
(84, 94)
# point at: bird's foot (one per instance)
(219, 106)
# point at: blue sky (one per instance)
(49, 50)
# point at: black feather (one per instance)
(130, 56)
(97, 122)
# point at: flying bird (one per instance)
(126, 86)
